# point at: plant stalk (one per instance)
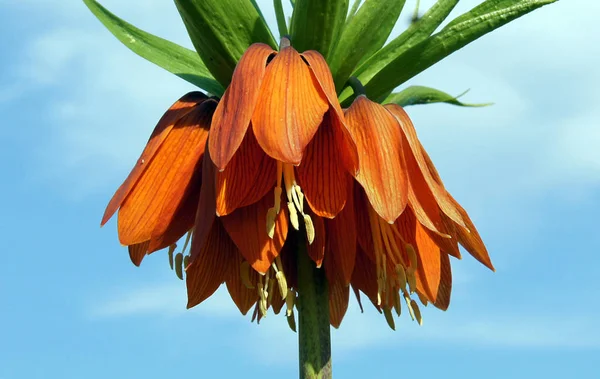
(313, 318)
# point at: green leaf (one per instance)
(366, 33)
(176, 59)
(280, 15)
(414, 95)
(317, 24)
(413, 35)
(444, 43)
(222, 30)
(353, 10)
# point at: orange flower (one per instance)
(158, 199)
(386, 230)
(413, 223)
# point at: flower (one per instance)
(158, 199)
(378, 218)
(278, 131)
(412, 224)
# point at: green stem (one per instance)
(281, 25)
(313, 318)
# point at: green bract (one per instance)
(364, 34)
(222, 30)
(351, 41)
(317, 24)
(180, 61)
(414, 95)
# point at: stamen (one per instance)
(271, 216)
(187, 240)
(293, 216)
(290, 299)
(401, 275)
(397, 307)
(387, 312)
(280, 276)
(412, 256)
(310, 229)
(376, 234)
(274, 211)
(409, 305)
(171, 251)
(270, 291)
(245, 275)
(422, 298)
(417, 311)
(262, 302)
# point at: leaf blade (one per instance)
(444, 43)
(317, 24)
(176, 59)
(364, 34)
(415, 95)
(222, 30)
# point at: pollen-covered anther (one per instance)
(296, 203)
(416, 311)
(409, 306)
(290, 300)
(271, 216)
(245, 275)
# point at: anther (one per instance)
(389, 318)
(293, 216)
(245, 275)
(271, 216)
(417, 311)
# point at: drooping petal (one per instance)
(445, 288)
(339, 295)
(341, 243)
(470, 239)
(232, 117)
(206, 211)
(345, 143)
(181, 107)
(382, 168)
(243, 297)
(138, 252)
(248, 177)
(361, 214)
(290, 108)
(166, 179)
(248, 229)
(429, 255)
(364, 277)
(440, 194)
(316, 250)
(321, 174)
(206, 273)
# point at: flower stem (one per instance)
(313, 318)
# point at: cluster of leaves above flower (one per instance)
(364, 200)
(351, 40)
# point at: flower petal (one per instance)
(470, 239)
(166, 179)
(364, 277)
(382, 170)
(440, 194)
(248, 229)
(290, 109)
(346, 145)
(137, 252)
(429, 257)
(206, 273)
(341, 243)
(316, 250)
(243, 297)
(232, 117)
(181, 107)
(339, 295)
(206, 211)
(322, 175)
(249, 176)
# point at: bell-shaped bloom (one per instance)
(411, 223)
(156, 203)
(280, 116)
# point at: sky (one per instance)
(76, 108)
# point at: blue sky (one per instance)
(77, 107)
